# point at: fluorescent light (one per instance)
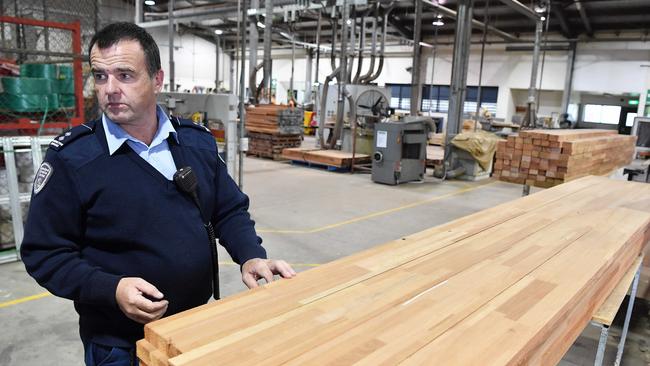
(149, 2)
(261, 25)
(439, 16)
(218, 32)
(349, 22)
(438, 23)
(543, 18)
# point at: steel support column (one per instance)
(416, 79)
(231, 87)
(458, 75)
(308, 87)
(568, 81)
(138, 12)
(170, 31)
(252, 54)
(216, 64)
(242, 92)
(530, 117)
(459, 68)
(343, 65)
(268, 62)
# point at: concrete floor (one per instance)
(306, 216)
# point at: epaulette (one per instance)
(74, 133)
(179, 122)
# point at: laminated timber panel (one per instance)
(342, 272)
(359, 309)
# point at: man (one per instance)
(107, 226)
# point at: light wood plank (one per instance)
(608, 310)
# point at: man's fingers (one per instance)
(265, 272)
(148, 289)
(142, 317)
(158, 314)
(149, 306)
(283, 269)
(249, 280)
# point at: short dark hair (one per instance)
(115, 32)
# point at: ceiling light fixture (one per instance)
(149, 2)
(543, 18)
(218, 32)
(261, 25)
(540, 6)
(438, 23)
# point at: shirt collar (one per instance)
(116, 136)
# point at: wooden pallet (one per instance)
(270, 145)
(517, 282)
(545, 158)
(333, 158)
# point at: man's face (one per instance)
(125, 91)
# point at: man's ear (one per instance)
(158, 79)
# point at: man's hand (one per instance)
(257, 268)
(130, 296)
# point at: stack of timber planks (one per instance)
(545, 158)
(274, 119)
(518, 282)
(271, 128)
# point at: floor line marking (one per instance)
(374, 214)
(24, 299)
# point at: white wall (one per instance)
(600, 68)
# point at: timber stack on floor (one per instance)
(271, 128)
(517, 282)
(329, 158)
(545, 158)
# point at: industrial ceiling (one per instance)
(507, 21)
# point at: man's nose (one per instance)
(112, 85)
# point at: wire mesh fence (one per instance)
(43, 84)
(43, 78)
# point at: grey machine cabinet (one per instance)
(400, 152)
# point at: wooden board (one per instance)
(333, 158)
(518, 282)
(437, 139)
(607, 311)
(546, 158)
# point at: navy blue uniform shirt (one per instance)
(96, 218)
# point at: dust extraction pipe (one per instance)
(362, 45)
(383, 44)
(373, 47)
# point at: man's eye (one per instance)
(124, 76)
(99, 76)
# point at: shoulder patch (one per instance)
(187, 123)
(66, 138)
(42, 176)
